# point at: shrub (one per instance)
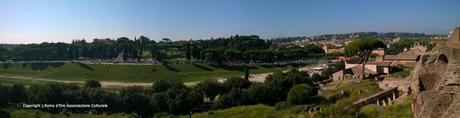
(92, 84)
(160, 86)
(368, 111)
(301, 94)
(282, 105)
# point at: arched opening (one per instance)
(418, 58)
(442, 59)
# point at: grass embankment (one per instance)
(400, 110)
(29, 113)
(253, 111)
(336, 104)
(127, 73)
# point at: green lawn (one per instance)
(253, 111)
(7, 81)
(28, 113)
(126, 73)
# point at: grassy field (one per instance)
(6, 81)
(253, 111)
(127, 73)
(28, 113)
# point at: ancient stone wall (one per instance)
(435, 81)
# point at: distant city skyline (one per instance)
(35, 21)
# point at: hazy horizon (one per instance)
(65, 20)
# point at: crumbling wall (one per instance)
(435, 81)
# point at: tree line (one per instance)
(221, 50)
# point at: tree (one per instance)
(210, 88)
(301, 94)
(196, 52)
(280, 83)
(3, 96)
(363, 48)
(160, 86)
(364, 44)
(92, 84)
(188, 51)
(316, 77)
(260, 93)
(214, 55)
(246, 73)
(17, 93)
(135, 100)
(158, 102)
(235, 97)
(232, 55)
(235, 83)
(4, 54)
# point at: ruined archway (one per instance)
(442, 59)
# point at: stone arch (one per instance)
(442, 59)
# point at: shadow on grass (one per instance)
(85, 66)
(43, 66)
(203, 67)
(167, 66)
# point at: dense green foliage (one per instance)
(177, 99)
(238, 91)
(362, 45)
(300, 94)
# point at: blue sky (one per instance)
(34, 21)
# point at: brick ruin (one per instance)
(435, 81)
